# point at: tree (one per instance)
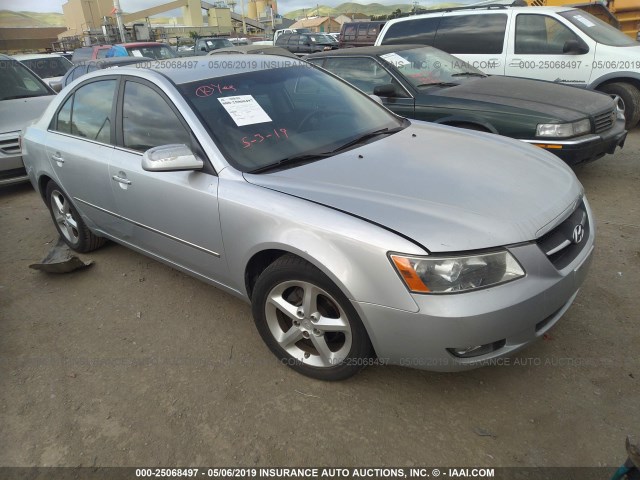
(194, 35)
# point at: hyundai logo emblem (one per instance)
(578, 234)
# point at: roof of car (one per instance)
(35, 56)
(255, 49)
(365, 51)
(479, 9)
(140, 44)
(237, 64)
(115, 61)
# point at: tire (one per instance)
(630, 96)
(327, 341)
(68, 222)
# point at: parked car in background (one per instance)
(279, 32)
(205, 45)
(359, 237)
(90, 53)
(359, 34)
(48, 66)
(557, 44)
(254, 49)
(428, 84)
(23, 98)
(305, 43)
(155, 50)
(89, 66)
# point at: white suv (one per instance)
(558, 44)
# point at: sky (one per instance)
(284, 6)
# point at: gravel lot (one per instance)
(130, 363)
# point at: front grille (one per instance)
(10, 145)
(604, 121)
(563, 244)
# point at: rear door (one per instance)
(80, 145)
(172, 215)
(478, 38)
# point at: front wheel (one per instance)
(307, 322)
(629, 96)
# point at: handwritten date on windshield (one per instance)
(277, 135)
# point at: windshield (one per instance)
(16, 81)
(157, 52)
(598, 30)
(429, 66)
(320, 39)
(218, 43)
(49, 67)
(262, 117)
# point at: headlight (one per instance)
(563, 129)
(456, 274)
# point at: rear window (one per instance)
(420, 31)
(80, 54)
(483, 34)
(49, 67)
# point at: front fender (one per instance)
(466, 119)
(350, 251)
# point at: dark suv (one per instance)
(305, 43)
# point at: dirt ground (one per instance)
(130, 363)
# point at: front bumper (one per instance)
(509, 317)
(11, 165)
(586, 148)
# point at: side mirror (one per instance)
(170, 158)
(574, 47)
(386, 90)
(203, 49)
(56, 85)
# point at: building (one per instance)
(82, 16)
(352, 17)
(318, 24)
(14, 40)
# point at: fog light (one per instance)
(476, 350)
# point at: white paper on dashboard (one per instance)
(244, 110)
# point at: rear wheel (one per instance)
(69, 223)
(307, 322)
(629, 98)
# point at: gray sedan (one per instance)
(357, 236)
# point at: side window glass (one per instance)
(63, 120)
(541, 34)
(294, 39)
(363, 73)
(91, 114)
(483, 34)
(373, 30)
(362, 30)
(148, 121)
(350, 32)
(421, 31)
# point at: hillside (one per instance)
(30, 19)
(350, 7)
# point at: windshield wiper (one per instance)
(367, 136)
(309, 157)
(15, 97)
(469, 74)
(438, 84)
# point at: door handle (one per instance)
(121, 180)
(57, 158)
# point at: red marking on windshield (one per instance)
(210, 89)
(249, 140)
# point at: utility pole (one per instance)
(116, 7)
(244, 24)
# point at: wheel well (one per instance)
(258, 263)
(42, 186)
(633, 81)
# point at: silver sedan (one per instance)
(358, 237)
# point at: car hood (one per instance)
(551, 99)
(448, 189)
(18, 113)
